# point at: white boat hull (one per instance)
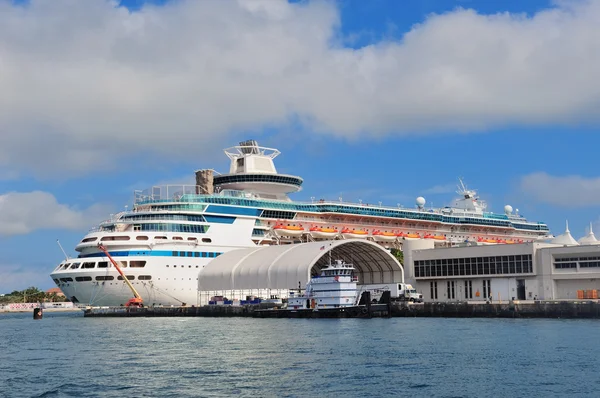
(383, 238)
(288, 232)
(323, 235)
(355, 236)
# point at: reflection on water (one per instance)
(66, 355)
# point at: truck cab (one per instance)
(409, 293)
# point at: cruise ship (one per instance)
(172, 232)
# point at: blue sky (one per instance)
(379, 101)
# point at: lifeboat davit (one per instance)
(412, 236)
(288, 230)
(321, 232)
(434, 237)
(354, 233)
(384, 236)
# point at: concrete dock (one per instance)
(537, 309)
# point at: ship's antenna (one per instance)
(63, 250)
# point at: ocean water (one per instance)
(66, 355)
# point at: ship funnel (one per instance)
(204, 182)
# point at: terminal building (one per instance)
(562, 269)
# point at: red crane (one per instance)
(137, 300)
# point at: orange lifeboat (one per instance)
(510, 242)
(354, 233)
(412, 236)
(434, 237)
(487, 241)
(322, 232)
(380, 236)
(288, 230)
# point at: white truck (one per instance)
(398, 291)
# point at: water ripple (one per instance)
(65, 355)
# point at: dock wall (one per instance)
(538, 309)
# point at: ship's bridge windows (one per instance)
(88, 265)
(65, 280)
(83, 278)
(137, 264)
(56, 281)
(89, 239)
(141, 237)
(59, 266)
(122, 264)
(129, 277)
(177, 238)
(160, 237)
(145, 277)
(119, 237)
(206, 240)
(105, 278)
(75, 265)
(102, 264)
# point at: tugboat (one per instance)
(335, 287)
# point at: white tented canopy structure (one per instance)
(284, 267)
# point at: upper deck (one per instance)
(184, 196)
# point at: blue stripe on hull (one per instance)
(154, 253)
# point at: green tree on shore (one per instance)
(30, 295)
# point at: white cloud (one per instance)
(15, 277)
(85, 82)
(22, 213)
(568, 191)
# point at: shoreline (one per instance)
(10, 311)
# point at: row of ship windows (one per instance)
(141, 237)
(102, 278)
(568, 265)
(218, 180)
(101, 264)
(195, 254)
(159, 217)
(187, 228)
(496, 265)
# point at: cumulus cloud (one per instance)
(569, 191)
(22, 213)
(16, 277)
(86, 82)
